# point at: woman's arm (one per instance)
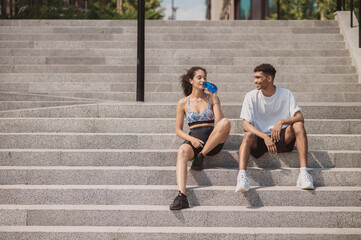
(216, 106)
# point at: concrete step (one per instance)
(232, 96)
(15, 105)
(173, 37)
(159, 97)
(187, 30)
(149, 141)
(163, 195)
(176, 61)
(173, 45)
(155, 23)
(162, 87)
(260, 37)
(64, 60)
(214, 69)
(71, 69)
(241, 87)
(169, 78)
(172, 52)
(247, 78)
(311, 110)
(162, 157)
(150, 125)
(171, 233)
(102, 96)
(319, 69)
(132, 175)
(212, 216)
(14, 96)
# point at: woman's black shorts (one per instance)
(281, 145)
(202, 133)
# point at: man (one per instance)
(272, 122)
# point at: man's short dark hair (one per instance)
(267, 69)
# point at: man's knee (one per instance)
(298, 128)
(248, 138)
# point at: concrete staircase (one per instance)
(81, 160)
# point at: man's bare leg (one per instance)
(249, 141)
(297, 130)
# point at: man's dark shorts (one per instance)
(281, 145)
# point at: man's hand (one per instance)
(197, 143)
(272, 149)
(276, 132)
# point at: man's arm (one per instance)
(275, 135)
(248, 127)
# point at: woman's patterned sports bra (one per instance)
(198, 118)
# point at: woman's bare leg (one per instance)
(185, 154)
(219, 135)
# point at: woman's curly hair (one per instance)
(184, 79)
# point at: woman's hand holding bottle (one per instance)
(197, 143)
(212, 88)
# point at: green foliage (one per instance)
(327, 8)
(152, 9)
(109, 11)
(4, 16)
(56, 9)
(304, 9)
(45, 9)
(129, 10)
(295, 10)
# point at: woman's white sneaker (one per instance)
(242, 183)
(305, 181)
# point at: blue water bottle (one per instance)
(211, 87)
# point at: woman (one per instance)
(201, 111)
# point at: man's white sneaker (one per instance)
(242, 183)
(305, 181)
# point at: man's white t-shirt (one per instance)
(264, 112)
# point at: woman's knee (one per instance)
(225, 124)
(184, 153)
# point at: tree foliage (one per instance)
(327, 8)
(43, 9)
(295, 9)
(105, 9)
(309, 9)
(152, 9)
